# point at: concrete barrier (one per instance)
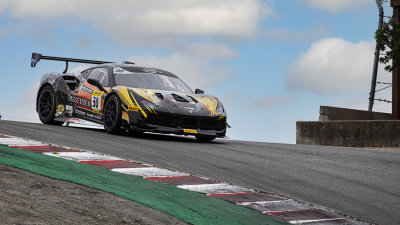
(328, 113)
(349, 133)
(349, 128)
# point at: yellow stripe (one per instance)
(140, 108)
(123, 93)
(148, 108)
(126, 98)
(154, 111)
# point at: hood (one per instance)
(161, 101)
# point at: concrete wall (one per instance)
(349, 133)
(328, 113)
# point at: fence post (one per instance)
(395, 74)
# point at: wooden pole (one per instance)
(395, 75)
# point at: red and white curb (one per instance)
(283, 208)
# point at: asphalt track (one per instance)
(364, 183)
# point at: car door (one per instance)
(89, 99)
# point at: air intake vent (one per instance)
(179, 98)
(71, 81)
(160, 96)
(192, 98)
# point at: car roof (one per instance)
(141, 69)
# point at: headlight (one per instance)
(220, 108)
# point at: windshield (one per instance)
(152, 81)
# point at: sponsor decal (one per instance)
(149, 70)
(190, 131)
(86, 89)
(119, 70)
(33, 62)
(94, 116)
(79, 101)
(80, 112)
(88, 114)
(133, 108)
(125, 116)
(96, 101)
(69, 107)
(98, 93)
(60, 108)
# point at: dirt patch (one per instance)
(28, 198)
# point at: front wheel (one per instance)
(112, 115)
(47, 106)
(205, 138)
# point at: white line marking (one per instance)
(82, 156)
(313, 221)
(220, 188)
(18, 141)
(260, 202)
(150, 172)
(276, 206)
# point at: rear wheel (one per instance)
(112, 115)
(205, 138)
(47, 106)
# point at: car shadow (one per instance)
(168, 137)
(154, 136)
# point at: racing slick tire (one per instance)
(205, 138)
(112, 115)
(47, 106)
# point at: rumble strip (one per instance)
(287, 209)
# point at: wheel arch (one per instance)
(115, 127)
(40, 91)
(111, 94)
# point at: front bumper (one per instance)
(177, 124)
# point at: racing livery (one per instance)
(128, 97)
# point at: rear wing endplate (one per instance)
(36, 57)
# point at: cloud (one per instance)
(205, 49)
(337, 5)
(79, 68)
(333, 65)
(194, 71)
(286, 35)
(157, 23)
(272, 102)
(23, 109)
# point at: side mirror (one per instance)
(96, 83)
(198, 91)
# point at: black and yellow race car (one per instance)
(123, 96)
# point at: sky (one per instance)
(270, 62)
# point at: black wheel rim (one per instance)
(45, 104)
(110, 113)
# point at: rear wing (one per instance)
(36, 57)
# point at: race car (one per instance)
(127, 97)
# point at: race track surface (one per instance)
(364, 183)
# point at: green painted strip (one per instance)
(186, 205)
